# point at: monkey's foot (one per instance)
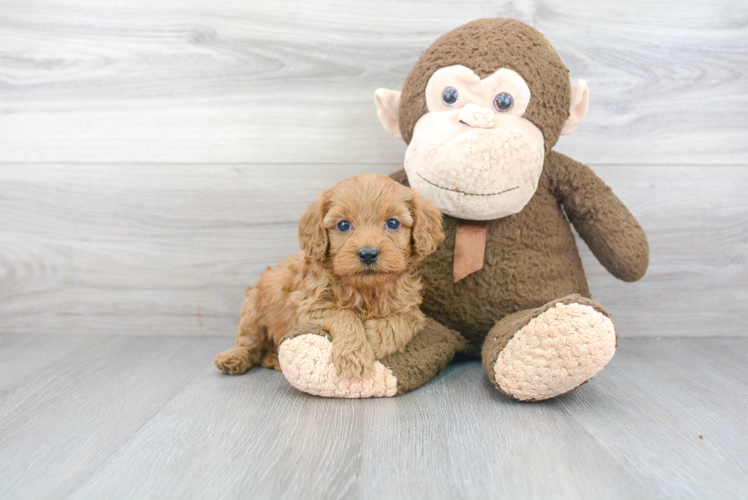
(305, 357)
(541, 353)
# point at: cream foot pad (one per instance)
(306, 361)
(557, 351)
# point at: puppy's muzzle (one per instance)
(368, 255)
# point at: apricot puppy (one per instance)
(355, 279)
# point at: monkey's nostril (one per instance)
(368, 255)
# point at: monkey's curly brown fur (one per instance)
(531, 257)
(370, 311)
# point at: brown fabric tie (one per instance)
(470, 247)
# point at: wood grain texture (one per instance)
(666, 419)
(683, 405)
(29, 357)
(169, 249)
(76, 413)
(226, 81)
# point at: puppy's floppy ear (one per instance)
(312, 234)
(426, 233)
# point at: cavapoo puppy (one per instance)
(356, 278)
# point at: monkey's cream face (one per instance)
(473, 155)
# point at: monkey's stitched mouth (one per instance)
(463, 192)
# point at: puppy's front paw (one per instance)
(383, 340)
(356, 360)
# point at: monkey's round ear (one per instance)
(580, 100)
(388, 110)
(312, 234)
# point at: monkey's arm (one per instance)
(603, 222)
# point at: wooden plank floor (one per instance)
(85, 416)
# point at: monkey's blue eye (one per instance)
(503, 102)
(393, 224)
(450, 96)
(344, 226)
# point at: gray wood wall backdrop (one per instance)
(155, 155)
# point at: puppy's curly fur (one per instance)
(370, 309)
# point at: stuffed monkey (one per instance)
(481, 111)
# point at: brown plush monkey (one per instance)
(481, 111)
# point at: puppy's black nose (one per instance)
(368, 255)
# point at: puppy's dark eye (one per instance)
(450, 96)
(344, 226)
(393, 224)
(503, 102)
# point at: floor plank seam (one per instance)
(607, 449)
(53, 367)
(132, 434)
